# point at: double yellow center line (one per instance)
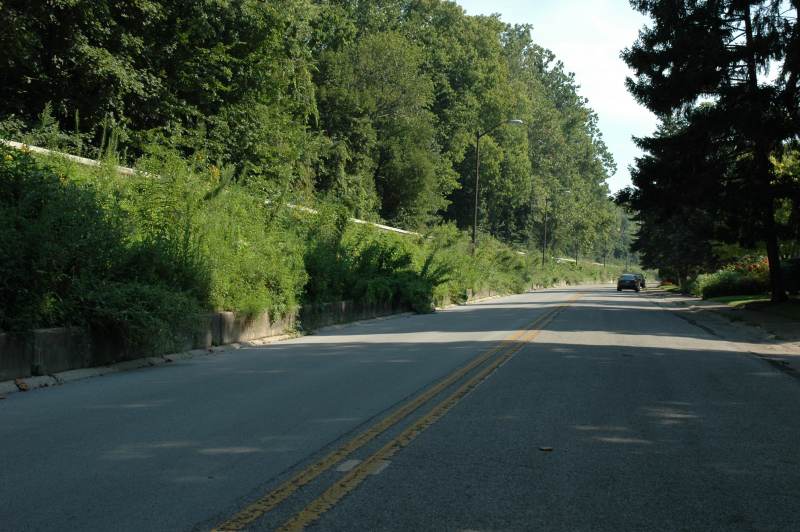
(255, 510)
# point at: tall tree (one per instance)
(235, 73)
(705, 58)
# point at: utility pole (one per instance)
(544, 240)
(478, 135)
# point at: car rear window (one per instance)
(628, 277)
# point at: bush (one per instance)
(71, 261)
(364, 264)
(747, 276)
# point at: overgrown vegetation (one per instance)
(373, 106)
(747, 276)
(145, 255)
(232, 111)
(71, 258)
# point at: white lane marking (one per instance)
(380, 466)
(347, 465)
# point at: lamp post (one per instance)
(478, 135)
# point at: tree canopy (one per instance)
(374, 105)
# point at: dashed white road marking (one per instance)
(347, 465)
(380, 466)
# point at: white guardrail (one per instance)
(124, 170)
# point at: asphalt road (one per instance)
(555, 410)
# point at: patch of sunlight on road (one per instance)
(230, 450)
(666, 415)
(132, 406)
(617, 439)
(660, 343)
(411, 337)
(601, 428)
(335, 420)
(138, 451)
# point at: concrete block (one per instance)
(108, 347)
(7, 387)
(60, 349)
(224, 328)
(250, 327)
(16, 356)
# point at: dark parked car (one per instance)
(628, 280)
(641, 279)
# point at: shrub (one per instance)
(70, 261)
(749, 275)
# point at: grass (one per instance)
(675, 289)
(761, 303)
(740, 301)
(788, 309)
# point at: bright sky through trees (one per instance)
(588, 35)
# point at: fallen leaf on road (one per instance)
(546, 449)
(21, 384)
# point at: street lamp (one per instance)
(478, 135)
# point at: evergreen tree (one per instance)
(708, 59)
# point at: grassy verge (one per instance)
(740, 301)
(787, 309)
(672, 288)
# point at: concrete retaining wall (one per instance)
(316, 316)
(49, 351)
(15, 359)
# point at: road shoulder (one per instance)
(774, 340)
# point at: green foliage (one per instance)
(232, 110)
(74, 264)
(746, 277)
(364, 264)
(701, 69)
(372, 106)
(233, 76)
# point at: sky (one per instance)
(587, 36)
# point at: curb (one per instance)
(64, 377)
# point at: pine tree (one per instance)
(708, 60)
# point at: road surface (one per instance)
(565, 409)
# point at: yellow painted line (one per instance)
(269, 501)
(357, 475)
